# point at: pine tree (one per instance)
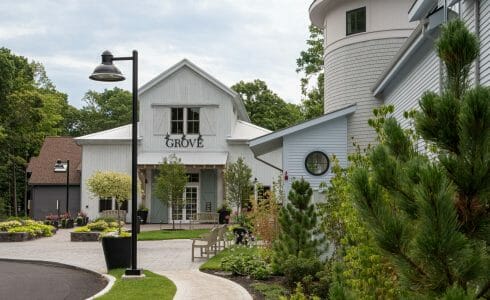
(299, 225)
(431, 216)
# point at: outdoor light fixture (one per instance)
(61, 167)
(107, 72)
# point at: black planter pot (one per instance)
(79, 221)
(143, 214)
(117, 252)
(224, 216)
(70, 223)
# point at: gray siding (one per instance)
(350, 73)
(485, 42)
(468, 16)
(44, 198)
(329, 137)
(158, 209)
(411, 83)
(209, 190)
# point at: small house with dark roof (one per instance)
(48, 187)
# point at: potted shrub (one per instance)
(52, 220)
(81, 219)
(224, 214)
(67, 221)
(116, 245)
(143, 213)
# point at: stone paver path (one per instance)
(170, 258)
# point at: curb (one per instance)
(110, 282)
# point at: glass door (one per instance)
(190, 202)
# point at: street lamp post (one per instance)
(108, 72)
(60, 167)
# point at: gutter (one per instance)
(478, 34)
(411, 45)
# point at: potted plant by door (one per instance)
(143, 213)
(224, 214)
(117, 244)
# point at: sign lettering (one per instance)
(184, 142)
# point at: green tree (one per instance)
(266, 108)
(30, 109)
(310, 64)
(170, 182)
(102, 111)
(430, 217)
(114, 185)
(238, 183)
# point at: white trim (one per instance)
(419, 9)
(110, 282)
(316, 12)
(273, 137)
(186, 63)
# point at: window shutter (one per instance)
(208, 121)
(161, 120)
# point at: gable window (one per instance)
(317, 163)
(356, 21)
(193, 120)
(177, 120)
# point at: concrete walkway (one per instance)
(170, 258)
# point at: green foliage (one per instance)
(246, 264)
(82, 229)
(34, 229)
(158, 235)
(238, 183)
(310, 63)
(171, 181)
(265, 108)
(301, 270)
(299, 224)
(102, 111)
(269, 291)
(97, 226)
(299, 294)
(431, 217)
(214, 263)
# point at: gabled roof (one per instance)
(42, 166)
(242, 112)
(244, 131)
(272, 141)
(120, 134)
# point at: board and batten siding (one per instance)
(408, 87)
(186, 88)
(329, 137)
(485, 42)
(350, 73)
(116, 158)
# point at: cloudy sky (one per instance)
(231, 39)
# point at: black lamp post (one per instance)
(108, 72)
(60, 167)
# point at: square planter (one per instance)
(84, 236)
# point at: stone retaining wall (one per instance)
(84, 236)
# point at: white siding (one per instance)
(485, 42)
(468, 16)
(329, 137)
(186, 88)
(350, 73)
(101, 158)
(407, 89)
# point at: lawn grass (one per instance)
(214, 263)
(153, 286)
(156, 235)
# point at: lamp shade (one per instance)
(107, 71)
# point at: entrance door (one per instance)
(188, 208)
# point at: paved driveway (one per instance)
(170, 258)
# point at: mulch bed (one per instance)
(247, 282)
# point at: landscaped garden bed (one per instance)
(93, 231)
(24, 230)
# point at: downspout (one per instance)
(477, 32)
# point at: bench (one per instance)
(206, 243)
(205, 217)
(113, 214)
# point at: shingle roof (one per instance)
(54, 148)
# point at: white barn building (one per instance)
(186, 112)
(376, 52)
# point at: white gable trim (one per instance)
(242, 113)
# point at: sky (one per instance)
(232, 40)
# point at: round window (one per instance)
(317, 163)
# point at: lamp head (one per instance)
(107, 71)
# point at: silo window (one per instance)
(356, 21)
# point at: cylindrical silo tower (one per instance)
(361, 38)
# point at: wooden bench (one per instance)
(206, 243)
(205, 217)
(113, 214)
